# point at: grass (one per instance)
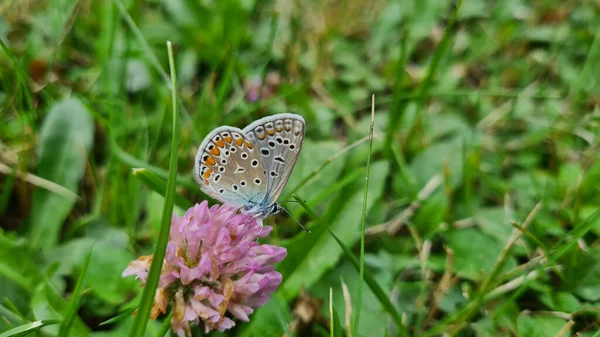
(480, 217)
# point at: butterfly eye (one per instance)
(274, 174)
(257, 181)
(265, 152)
(235, 187)
(292, 147)
(243, 183)
(232, 149)
(279, 140)
(224, 161)
(221, 191)
(254, 163)
(286, 141)
(271, 143)
(244, 155)
(279, 159)
(222, 169)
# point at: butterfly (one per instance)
(249, 168)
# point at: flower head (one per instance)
(214, 269)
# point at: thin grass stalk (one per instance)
(28, 327)
(375, 288)
(164, 327)
(141, 319)
(364, 223)
(75, 300)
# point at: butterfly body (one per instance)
(248, 168)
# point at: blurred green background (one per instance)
(483, 193)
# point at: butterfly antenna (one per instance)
(296, 221)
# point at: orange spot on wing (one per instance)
(207, 174)
(271, 132)
(239, 141)
(249, 145)
(228, 139)
(220, 143)
(278, 128)
(215, 151)
(261, 136)
(206, 181)
(210, 162)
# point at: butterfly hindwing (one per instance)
(229, 168)
(278, 140)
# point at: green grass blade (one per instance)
(326, 163)
(141, 319)
(134, 162)
(335, 328)
(28, 328)
(75, 300)
(121, 316)
(375, 287)
(284, 325)
(155, 183)
(575, 234)
(164, 328)
(364, 223)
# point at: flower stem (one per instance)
(147, 300)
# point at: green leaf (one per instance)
(109, 258)
(75, 300)
(27, 328)
(539, 326)
(582, 273)
(262, 322)
(493, 222)
(65, 140)
(475, 253)
(155, 183)
(17, 264)
(313, 164)
(383, 298)
(438, 159)
(47, 304)
(311, 255)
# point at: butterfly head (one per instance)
(263, 210)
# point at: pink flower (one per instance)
(214, 269)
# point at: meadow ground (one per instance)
(481, 212)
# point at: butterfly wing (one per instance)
(228, 168)
(278, 141)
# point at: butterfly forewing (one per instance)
(278, 141)
(229, 168)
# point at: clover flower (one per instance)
(214, 269)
